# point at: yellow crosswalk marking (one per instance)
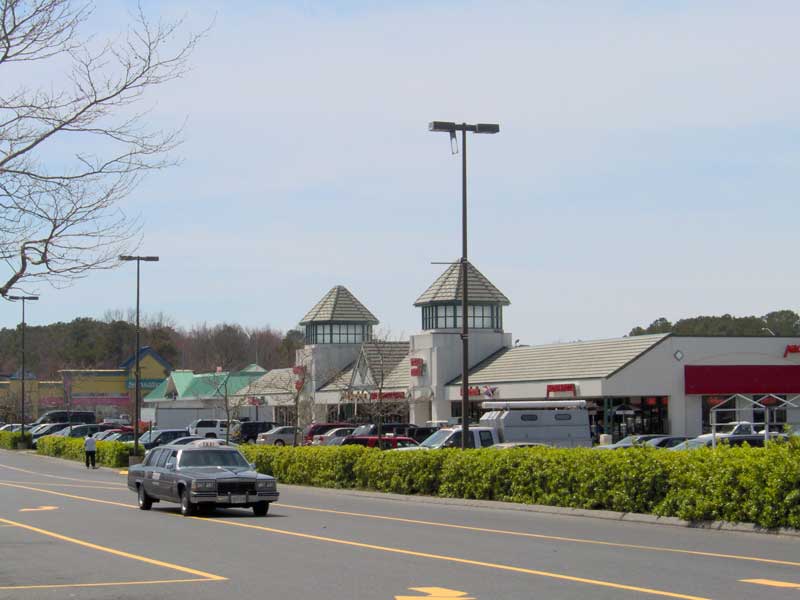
(435, 593)
(772, 583)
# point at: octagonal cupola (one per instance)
(338, 318)
(441, 302)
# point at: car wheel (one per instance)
(280, 443)
(187, 506)
(260, 509)
(145, 501)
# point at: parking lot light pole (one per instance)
(451, 128)
(22, 382)
(137, 389)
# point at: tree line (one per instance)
(779, 323)
(86, 343)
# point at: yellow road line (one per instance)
(455, 559)
(395, 550)
(772, 583)
(64, 495)
(144, 559)
(84, 480)
(66, 485)
(542, 536)
(110, 583)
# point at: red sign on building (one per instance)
(791, 349)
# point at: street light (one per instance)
(137, 392)
(22, 386)
(451, 128)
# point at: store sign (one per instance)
(388, 396)
(416, 371)
(473, 391)
(416, 362)
(791, 349)
(562, 390)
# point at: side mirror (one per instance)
(170, 466)
(253, 466)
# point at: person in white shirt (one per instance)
(90, 449)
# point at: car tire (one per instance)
(145, 501)
(188, 508)
(280, 443)
(260, 509)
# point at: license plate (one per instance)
(237, 499)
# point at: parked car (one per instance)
(120, 436)
(46, 429)
(65, 416)
(754, 441)
(386, 443)
(394, 428)
(317, 429)
(630, 441)
(104, 435)
(666, 441)
(12, 427)
(160, 437)
(79, 430)
(201, 475)
(247, 431)
(479, 437)
(735, 428)
(280, 436)
(210, 428)
(509, 445)
(325, 438)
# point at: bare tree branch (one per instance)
(59, 217)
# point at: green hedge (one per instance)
(9, 440)
(757, 485)
(109, 454)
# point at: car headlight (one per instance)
(266, 485)
(199, 484)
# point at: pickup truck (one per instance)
(450, 437)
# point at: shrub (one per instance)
(9, 440)
(758, 485)
(109, 454)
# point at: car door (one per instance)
(169, 476)
(158, 473)
(149, 467)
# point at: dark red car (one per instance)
(387, 443)
(318, 429)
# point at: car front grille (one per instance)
(235, 487)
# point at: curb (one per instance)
(608, 515)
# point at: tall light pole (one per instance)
(451, 128)
(22, 386)
(137, 392)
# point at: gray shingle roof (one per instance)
(388, 361)
(276, 381)
(447, 288)
(576, 360)
(340, 381)
(341, 306)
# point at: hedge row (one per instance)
(9, 440)
(110, 454)
(741, 484)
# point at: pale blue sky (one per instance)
(647, 163)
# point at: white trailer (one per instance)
(563, 423)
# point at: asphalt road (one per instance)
(67, 532)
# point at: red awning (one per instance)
(742, 379)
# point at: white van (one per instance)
(563, 423)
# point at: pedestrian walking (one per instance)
(90, 449)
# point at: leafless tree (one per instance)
(59, 215)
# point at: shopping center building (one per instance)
(642, 384)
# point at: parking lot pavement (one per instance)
(68, 531)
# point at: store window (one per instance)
(337, 333)
(448, 316)
(721, 416)
(475, 410)
(777, 413)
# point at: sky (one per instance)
(646, 165)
